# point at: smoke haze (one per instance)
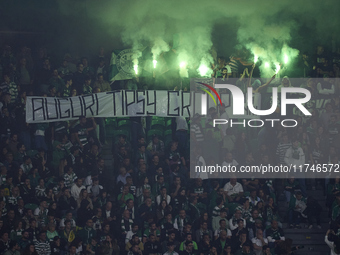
(197, 26)
(263, 26)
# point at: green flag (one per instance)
(121, 65)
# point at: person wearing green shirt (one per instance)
(56, 81)
(336, 207)
(124, 196)
(188, 238)
(101, 84)
(14, 248)
(216, 220)
(221, 242)
(24, 240)
(59, 153)
(66, 89)
(87, 232)
(51, 232)
(39, 135)
(297, 205)
(170, 249)
(82, 130)
(332, 189)
(156, 188)
(189, 248)
(290, 185)
(16, 233)
(151, 230)
(87, 89)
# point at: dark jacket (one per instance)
(218, 245)
(150, 247)
(67, 203)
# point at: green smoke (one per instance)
(264, 27)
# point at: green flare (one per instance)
(203, 69)
(277, 68)
(285, 59)
(182, 64)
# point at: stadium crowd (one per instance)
(59, 196)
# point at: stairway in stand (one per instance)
(313, 239)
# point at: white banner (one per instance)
(123, 103)
(119, 103)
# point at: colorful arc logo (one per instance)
(212, 89)
(204, 97)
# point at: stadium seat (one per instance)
(159, 128)
(158, 124)
(124, 124)
(157, 118)
(31, 206)
(118, 119)
(157, 132)
(167, 134)
(111, 122)
(168, 123)
(121, 132)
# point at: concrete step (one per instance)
(311, 252)
(319, 198)
(311, 239)
(314, 248)
(304, 241)
(306, 231)
(283, 206)
(284, 211)
(325, 220)
(315, 193)
(324, 228)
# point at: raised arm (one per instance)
(265, 85)
(250, 75)
(244, 73)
